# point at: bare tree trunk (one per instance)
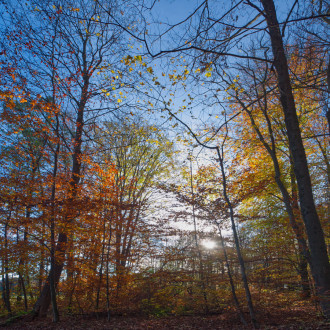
(291, 204)
(52, 277)
(21, 262)
(44, 300)
(319, 258)
(237, 245)
(107, 275)
(101, 269)
(231, 281)
(6, 277)
(201, 266)
(42, 260)
(303, 252)
(70, 279)
(328, 97)
(22, 284)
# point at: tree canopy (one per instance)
(165, 159)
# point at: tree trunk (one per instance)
(6, 279)
(303, 252)
(237, 245)
(44, 300)
(328, 96)
(101, 268)
(107, 275)
(22, 284)
(291, 204)
(319, 257)
(231, 281)
(201, 266)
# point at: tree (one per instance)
(75, 44)
(319, 257)
(257, 101)
(141, 155)
(216, 42)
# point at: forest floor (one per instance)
(276, 319)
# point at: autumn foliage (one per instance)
(158, 186)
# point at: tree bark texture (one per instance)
(319, 257)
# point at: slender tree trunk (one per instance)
(22, 258)
(291, 204)
(22, 285)
(70, 272)
(237, 245)
(118, 244)
(42, 260)
(319, 258)
(3, 284)
(328, 96)
(44, 300)
(52, 279)
(101, 269)
(6, 284)
(107, 275)
(231, 281)
(5, 292)
(201, 266)
(303, 252)
(19, 272)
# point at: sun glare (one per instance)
(209, 244)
